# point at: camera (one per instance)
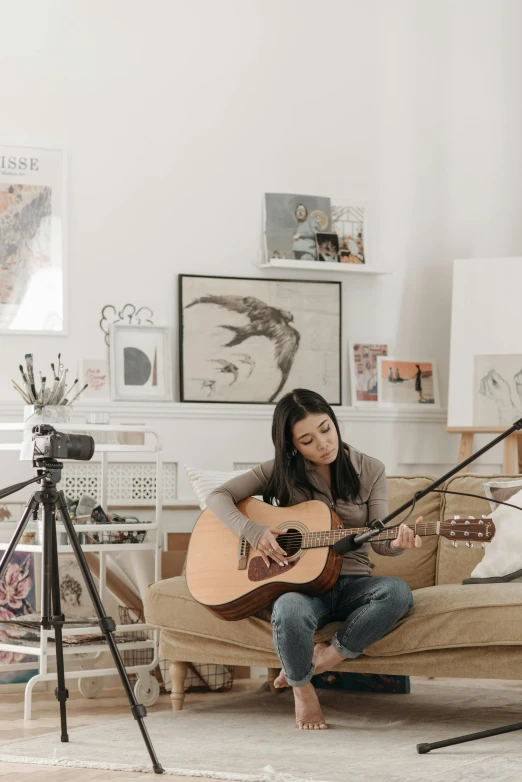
(47, 443)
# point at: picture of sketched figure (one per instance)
(497, 390)
(291, 223)
(264, 321)
(251, 340)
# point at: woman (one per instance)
(304, 244)
(312, 462)
(418, 383)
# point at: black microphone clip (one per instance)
(376, 527)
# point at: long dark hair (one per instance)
(289, 471)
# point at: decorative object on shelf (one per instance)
(327, 247)
(250, 340)
(349, 223)
(32, 235)
(140, 363)
(47, 401)
(407, 383)
(128, 315)
(497, 390)
(363, 371)
(291, 223)
(17, 598)
(95, 373)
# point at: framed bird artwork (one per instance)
(249, 340)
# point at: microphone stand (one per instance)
(377, 527)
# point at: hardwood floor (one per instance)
(109, 705)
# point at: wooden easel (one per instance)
(512, 460)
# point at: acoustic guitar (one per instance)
(231, 579)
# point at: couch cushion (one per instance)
(448, 616)
(416, 566)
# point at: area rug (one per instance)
(372, 738)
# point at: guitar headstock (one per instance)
(468, 529)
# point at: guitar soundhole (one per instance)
(290, 541)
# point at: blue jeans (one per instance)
(368, 607)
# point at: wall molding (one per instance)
(13, 411)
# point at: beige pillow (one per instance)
(203, 482)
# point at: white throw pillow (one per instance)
(503, 556)
(501, 490)
(205, 481)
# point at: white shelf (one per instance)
(322, 266)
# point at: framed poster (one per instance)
(140, 363)
(32, 240)
(247, 340)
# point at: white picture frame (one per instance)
(140, 365)
(401, 393)
(359, 399)
(33, 278)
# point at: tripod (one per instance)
(49, 473)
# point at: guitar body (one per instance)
(235, 583)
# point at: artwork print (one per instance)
(363, 367)
(348, 223)
(407, 382)
(31, 240)
(95, 372)
(17, 598)
(140, 362)
(497, 390)
(291, 224)
(253, 340)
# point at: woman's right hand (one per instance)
(269, 547)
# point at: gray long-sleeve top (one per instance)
(372, 504)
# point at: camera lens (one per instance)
(79, 446)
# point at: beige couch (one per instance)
(456, 630)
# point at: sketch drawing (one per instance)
(288, 330)
(497, 390)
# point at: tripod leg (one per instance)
(31, 506)
(107, 625)
(423, 749)
(58, 619)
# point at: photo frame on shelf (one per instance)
(250, 340)
(33, 230)
(350, 223)
(140, 366)
(362, 360)
(291, 222)
(403, 383)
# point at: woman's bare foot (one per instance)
(308, 714)
(326, 657)
(280, 680)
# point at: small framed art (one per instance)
(363, 371)
(407, 383)
(140, 363)
(95, 373)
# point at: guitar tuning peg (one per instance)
(469, 544)
(455, 544)
(482, 545)
(456, 518)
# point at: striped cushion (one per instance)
(205, 481)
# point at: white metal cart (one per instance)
(146, 688)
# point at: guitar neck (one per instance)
(329, 537)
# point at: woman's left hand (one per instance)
(407, 538)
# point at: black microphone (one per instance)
(346, 544)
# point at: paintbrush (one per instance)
(68, 393)
(30, 374)
(22, 393)
(42, 390)
(78, 394)
(27, 386)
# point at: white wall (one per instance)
(177, 116)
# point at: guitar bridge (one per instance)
(242, 553)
